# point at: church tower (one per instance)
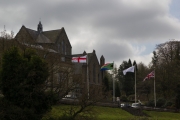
(39, 27)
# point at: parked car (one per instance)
(125, 105)
(136, 105)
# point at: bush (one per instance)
(160, 102)
(150, 103)
(168, 104)
(9, 111)
(124, 98)
(131, 98)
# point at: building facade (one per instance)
(58, 44)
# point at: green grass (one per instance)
(102, 113)
(107, 113)
(163, 115)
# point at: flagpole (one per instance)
(113, 85)
(154, 90)
(135, 82)
(87, 77)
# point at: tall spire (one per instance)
(40, 27)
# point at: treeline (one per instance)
(166, 64)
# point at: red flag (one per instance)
(81, 59)
(150, 75)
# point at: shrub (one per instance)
(150, 103)
(124, 98)
(160, 102)
(168, 104)
(22, 78)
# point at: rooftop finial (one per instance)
(40, 27)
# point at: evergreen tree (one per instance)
(177, 99)
(134, 64)
(126, 81)
(22, 79)
(106, 83)
(117, 89)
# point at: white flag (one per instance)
(81, 59)
(130, 69)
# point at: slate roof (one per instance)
(53, 34)
(46, 36)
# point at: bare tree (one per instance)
(82, 106)
(167, 67)
(144, 89)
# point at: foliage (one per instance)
(117, 89)
(124, 98)
(143, 88)
(6, 35)
(22, 84)
(168, 104)
(106, 82)
(177, 102)
(168, 60)
(126, 81)
(150, 103)
(160, 102)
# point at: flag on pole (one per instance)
(107, 66)
(150, 75)
(81, 59)
(130, 69)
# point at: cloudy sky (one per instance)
(117, 29)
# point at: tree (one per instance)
(82, 106)
(117, 89)
(22, 84)
(177, 98)
(106, 82)
(167, 68)
(143, 88)
(126, 81)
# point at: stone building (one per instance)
(57, 42)
(91, 75)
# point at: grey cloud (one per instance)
(112, 22)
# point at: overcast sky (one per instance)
(117, 29)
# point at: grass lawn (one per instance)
(163, 115)
(107, 113)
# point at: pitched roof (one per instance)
(33, 33)
(53, 34)
(46, 36)
(50, 36)
(42, 39)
